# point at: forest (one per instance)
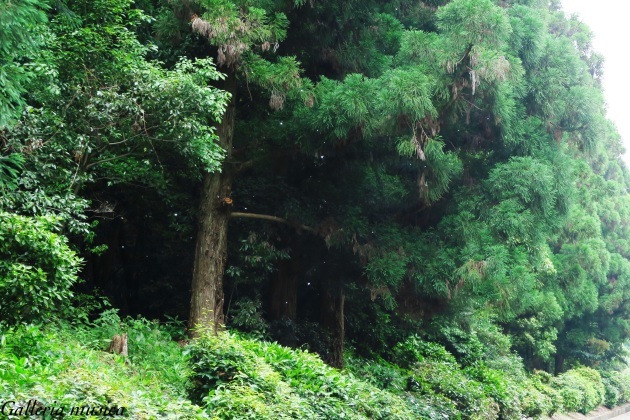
(266, 209)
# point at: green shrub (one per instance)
(617, 388)
(533, 403)
(613, 396)
(380, 373)
(496, 385)
(461, 341)
(414, 350)
(37, 269)
(448, 380)
(433, 406)
(243, 378)
(537, 397)
(582, 389)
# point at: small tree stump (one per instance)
(118, 345)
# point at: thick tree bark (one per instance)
(559, 363)
(118, 345)
(206, 303)
(284, 289)
(333, 301)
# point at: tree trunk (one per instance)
(333, 314)
(284, 292)
(206, 303)
(118, 345)
(284, 285)
(559, 363)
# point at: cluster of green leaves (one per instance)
(487, 382)
(255, 260)
(20, 38)
(244, 33)
(37, 269)
(616, 385)
(10, 167)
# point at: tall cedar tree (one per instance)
(242, 34)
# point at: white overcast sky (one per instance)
(608, 19)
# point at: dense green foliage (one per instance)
(249, 379)
(65, 366)
(428, 192)
(37, 270)
(229, 376)
(20, 36)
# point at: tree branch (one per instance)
(243, 166)
(272, 219)
(98, 162)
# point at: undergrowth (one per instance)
(232, 376)
(65, 366)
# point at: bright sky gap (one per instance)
(608, 21)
